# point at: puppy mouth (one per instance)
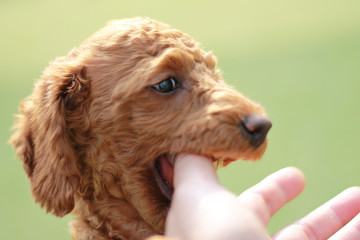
(164, 174)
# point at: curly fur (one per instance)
(89, 133)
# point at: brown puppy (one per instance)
(98, 134)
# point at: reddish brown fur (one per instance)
(89, 133)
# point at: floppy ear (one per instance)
(43, 141)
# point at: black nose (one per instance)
(255, 127)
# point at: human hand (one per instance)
(202, 209)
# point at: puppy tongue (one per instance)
(166, 170)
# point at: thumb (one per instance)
(194, 170)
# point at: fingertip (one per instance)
(297, 174)
(350, 194)
(190, 160)
(291, 180)
(182, 159)
(294, 171)
(182, 156)
(353, 190)
(193, 169)
(291, 175)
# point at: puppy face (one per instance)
(171, 99)
(119, 107)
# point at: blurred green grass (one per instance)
(299, 59)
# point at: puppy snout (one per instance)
(255, 127)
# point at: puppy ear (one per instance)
(43, 140)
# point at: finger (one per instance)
(268, 196)
(325, 220)
(194, 171)
(351, 231)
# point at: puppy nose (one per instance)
(255, 127)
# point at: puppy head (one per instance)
(105, 120)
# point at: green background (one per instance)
(300, 59)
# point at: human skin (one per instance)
(203, 209)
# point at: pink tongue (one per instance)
(166, 170)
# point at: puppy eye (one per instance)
(167, 86)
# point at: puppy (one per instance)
(98, 134)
